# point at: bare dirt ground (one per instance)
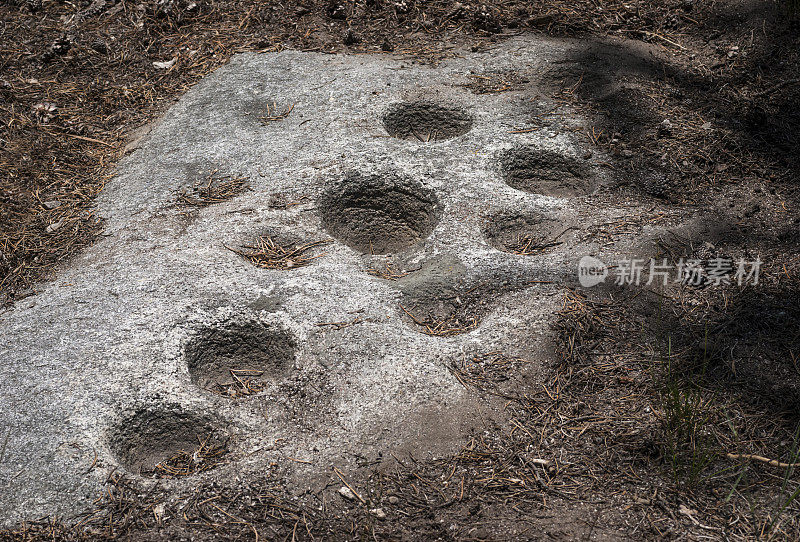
(657, 403)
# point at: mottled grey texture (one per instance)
(94, 361)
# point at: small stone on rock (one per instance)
(52, 204)
(347, 493)
(378, 513)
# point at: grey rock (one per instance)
(100, 361)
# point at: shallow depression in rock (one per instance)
(445, 309)
(426, 121)
(546, 172)
(239, 358)
(525, 234)
(441, 300)
(164, 441)
(378, 214)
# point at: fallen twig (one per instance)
(762, 459)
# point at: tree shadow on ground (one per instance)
(690, 126)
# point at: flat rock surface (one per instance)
(104, 368)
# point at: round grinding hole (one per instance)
(524, 234)
(426, 121)
(167, 443)
(378, 214)
(238, 359)
(444, 309)
(544, 172)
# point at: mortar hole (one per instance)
(167, 443)
(378, 214)
(444, 309)
(426, 121)
(545, 172)
(524, 234)
(239, 359)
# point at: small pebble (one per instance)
(54, 226)
(347, 493)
